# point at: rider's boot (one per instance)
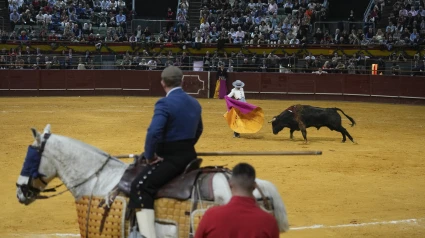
(146, 222)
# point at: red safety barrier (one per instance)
(346, 87)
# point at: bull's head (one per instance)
(281, 121)
(275, 126)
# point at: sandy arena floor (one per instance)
(373, 189)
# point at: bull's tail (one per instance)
(349, 118)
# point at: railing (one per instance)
(281, 48)
(346, 25)
(154, 25)
(234, 64)
(369, 7)
(100, 61)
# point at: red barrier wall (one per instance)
(368, 88)
(94, 82)
(341, 87)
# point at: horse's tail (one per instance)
(349, 118)
(279, 209)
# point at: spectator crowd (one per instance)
(405, 24)
(72, 20)
(221, 22)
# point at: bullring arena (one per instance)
(371, 189)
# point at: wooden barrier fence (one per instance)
(343, 87)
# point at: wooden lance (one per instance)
(239, 153)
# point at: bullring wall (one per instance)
(343, 87)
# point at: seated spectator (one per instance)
(414, 37)
(379, 37)
(319, 71)
(413, 12)
(121, 6)
(97, 6)
(132, 39)
(87, 28)
(104, 5)
(405, 36)
(112, 7)
(147, 33)
(23, 36)
(26, 18)
(121, 21)
(39, 18)
(214, 35)
(181, 19)
(77, 32)
(111, 20)
(288, 6)
(272, 9)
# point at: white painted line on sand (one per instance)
(406, 221)
(68, 235)
(46, 235)
(85, 110)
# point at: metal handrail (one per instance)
(407, 67)
(366, 13)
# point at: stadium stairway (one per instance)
(383, 22)
(4, 16)
(193, 13)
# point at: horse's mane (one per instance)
(83, 145)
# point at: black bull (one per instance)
(300, 117)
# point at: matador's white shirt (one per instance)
(237, 93)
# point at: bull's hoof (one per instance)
(343, 141)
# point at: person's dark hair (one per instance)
(172, 76)
(243, 176)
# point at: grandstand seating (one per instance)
(303, 38)
(4, 15)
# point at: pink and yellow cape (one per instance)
(243, 117)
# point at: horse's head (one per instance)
(36, 171)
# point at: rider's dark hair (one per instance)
(172, 76)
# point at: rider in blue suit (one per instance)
(177, 117)
(169, 147)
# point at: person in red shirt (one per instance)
(241, 217)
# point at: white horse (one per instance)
(86, 170)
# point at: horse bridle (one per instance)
(29, 191)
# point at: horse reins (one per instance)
(75, 186)
(40, 151)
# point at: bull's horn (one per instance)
(272, 120)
